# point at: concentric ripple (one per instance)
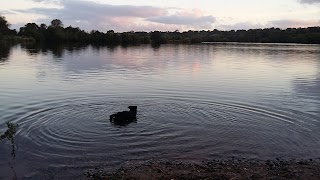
(172, 128)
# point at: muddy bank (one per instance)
(220, 169)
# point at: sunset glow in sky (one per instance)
(165, 15)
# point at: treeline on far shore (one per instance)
(56, 32)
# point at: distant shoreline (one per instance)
(57, 32)
(280, 44)
(30, 41)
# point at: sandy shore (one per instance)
(220, 169)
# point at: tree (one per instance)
(32, 30)
(56, 23)
(55, 31)
(3, 23)
(113, 38)
(55, 34)
(43, 27)
(4, 26)
(157, 38)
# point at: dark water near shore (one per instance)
(195, 103)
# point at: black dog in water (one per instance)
(124, 117)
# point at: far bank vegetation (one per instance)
(56, 32)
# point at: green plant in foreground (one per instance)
(10, 133)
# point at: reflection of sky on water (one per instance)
(270, 89)
(243, 69)
(308, 93)
(226, 65)
(308, 87)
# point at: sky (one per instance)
(164, 15)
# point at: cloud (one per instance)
(183, 20)
(282, 23)
(309, 1)
(6, 12)
(193, 19)
(92, 15)
(287, 23)
(41, 0)
(91, 10)
(240, 26)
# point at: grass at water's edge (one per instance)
(217, 169)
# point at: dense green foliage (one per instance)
(58, 33)
(4, 28)
(310, 35)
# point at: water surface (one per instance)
(195, 103)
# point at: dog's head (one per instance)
(133, 108)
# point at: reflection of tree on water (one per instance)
(57, 49)
(97, 47)
(36, 48)
(4, 52)
(31, 48)
(155, 46)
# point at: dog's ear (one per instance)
(133, 107)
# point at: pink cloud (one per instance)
(191, 19)
(196, 12)
(285, 23)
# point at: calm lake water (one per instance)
(195, 103)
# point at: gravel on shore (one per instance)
(217, 169)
